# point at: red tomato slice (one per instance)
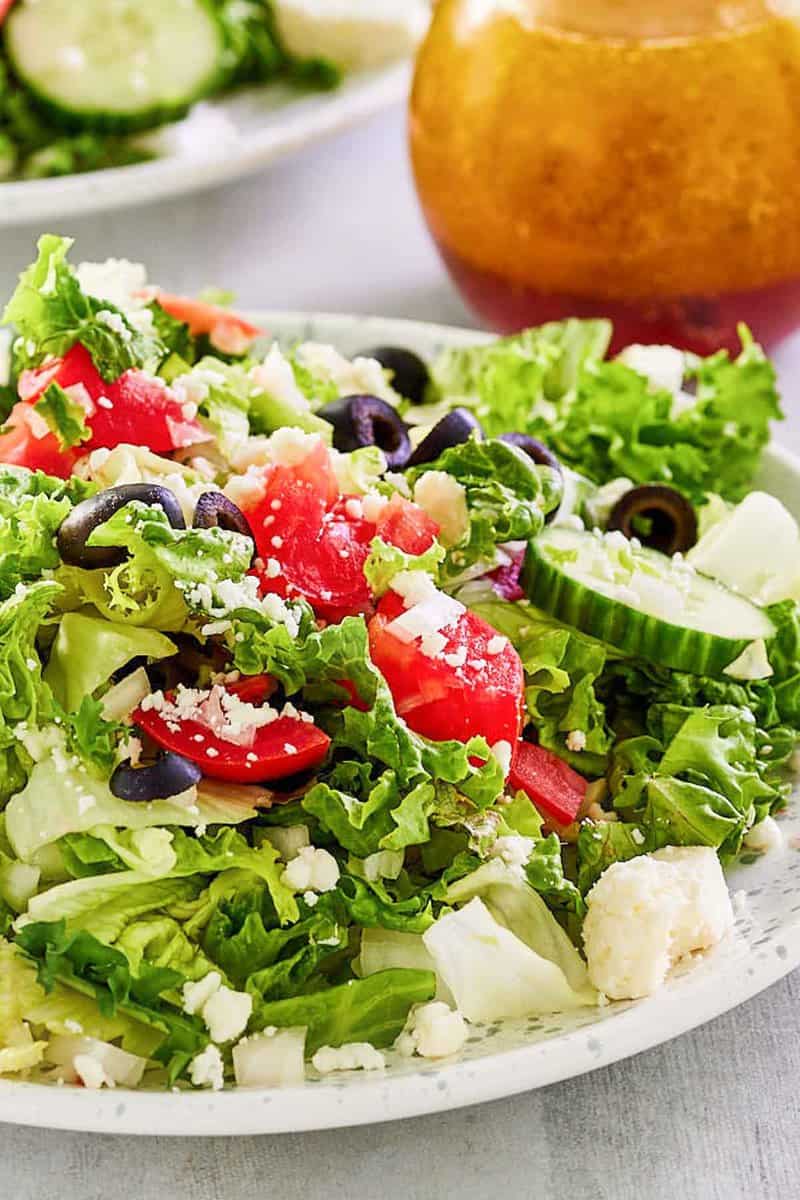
(554, 788)
(475, 693)
(226, 330)
(321, 540)
(136, 408)
(286, 746)
(26, 444)
(407, 526)
(253, 689)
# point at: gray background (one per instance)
(711, 1115)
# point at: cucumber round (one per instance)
(116, 66)
(641, 601)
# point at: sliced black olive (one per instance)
(87, 516)
(660, 517)
(534, 449)
(453, 430)
(410, 375)
(360, 421)
(215, 509)
(170, 775)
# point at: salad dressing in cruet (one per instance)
(639, 161)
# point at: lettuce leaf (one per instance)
(362, 1010)
(606, 420)
(696, 779)
(24, 698)
(32, 506)
(50, 310)
(80, 961)
(88, 650)
(33, 821)
(64, 417)
(507, 499)
(514, 383)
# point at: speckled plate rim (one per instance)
(301, 120)
(755, 956)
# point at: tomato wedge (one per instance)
(137, 408)
(227, 331)
(472, 685)
(407, 526)
(27, 442)
(321, 540)
(554, 788)
(284, 747)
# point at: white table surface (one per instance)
(711, 1115)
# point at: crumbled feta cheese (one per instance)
(115, 323)
(576, 741)
(765, 836)
(445, 501)
(662, 366)
(90, 1072)
(646, 914)
(457, 658)
(226, 1013)
(496, 645)
(502, 752)
(428, 611)
(206, 1069)
(433, 1031)
(361, 377)
(196, 995)
(514, 850)
(311, 870)
(353, 1056)
(221, 712)
(276, 377)
(117, 281)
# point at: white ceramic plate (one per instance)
(500, 1059)
(234, 136)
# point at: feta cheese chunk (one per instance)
(311, 870)
(353, 33)
(226, 1014)
(432, 1030)
(206, 1069)
(646, 914)
(353, 1056)
(224, 1011)
(662, 366)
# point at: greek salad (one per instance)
(96, 84)
(347, 704)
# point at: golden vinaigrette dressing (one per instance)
(568, 169)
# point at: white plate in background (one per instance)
(222, 139)
(506, 1057)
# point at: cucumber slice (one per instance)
(640, 601)
(115, 65)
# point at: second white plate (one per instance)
(225, 139)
